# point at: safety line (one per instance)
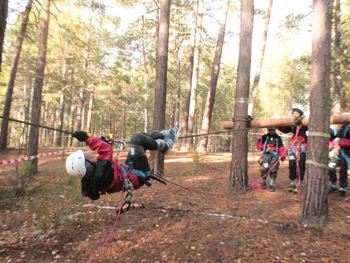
(113, 228)
(181, 137)
(202, 192)
(36, 125)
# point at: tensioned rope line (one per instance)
(200, 191)
(113, 228)
(181, 137)
(36, 125)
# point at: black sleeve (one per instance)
(89, 189)
(103, 174)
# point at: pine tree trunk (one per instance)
(157, 160)
(239, 168)
(3, 22)
(194, 84)
(60, 120)
(11, 84)
(38, 85)
(260, 63)
(336, 107)
(315, 208)
(186, 108)
(208, 110)
(91, 105)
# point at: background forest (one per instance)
(104, 66)
(100, 66)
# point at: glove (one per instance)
(282, 159)
(81, 136)
(299, 120)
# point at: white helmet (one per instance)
(76, 165)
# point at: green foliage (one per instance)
(91, 47)
(196, 165)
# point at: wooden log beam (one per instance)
(286, 122)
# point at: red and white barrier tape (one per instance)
(224, 215)
(22, 159)
(133, 205)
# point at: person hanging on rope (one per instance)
(272, 149)
(344, 160)
(106, 175)
(297, 150)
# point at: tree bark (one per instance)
(3, 22)
(11, 83)
(156, 159)
(315, 203)
(208, 110)
(239, 168)
(336, 106)
(38, 85)
(60, 120)
(186, 107)
(260, 63)
(194, 84)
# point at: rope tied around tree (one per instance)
(241, 119)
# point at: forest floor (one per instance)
(191, 219)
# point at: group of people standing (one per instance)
(274, 151)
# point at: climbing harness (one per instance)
(129, 188)
(269, 156)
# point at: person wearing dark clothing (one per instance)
(344, 161)
(296, 151)
(106, 175)
(273, 149)
(334, 152)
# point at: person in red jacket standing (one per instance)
(273, 149)
(106, 175)
(297, 150)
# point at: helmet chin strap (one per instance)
(86, 160)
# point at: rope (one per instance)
(269, 171)
(36, 125)
(202, 192)
(319, 134)
(113, 228)
(317, 164)
(181, 137)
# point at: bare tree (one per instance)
(3, 21)
(82, 91)
(239, 167)
(208, 110)
(194, 84)
(315, 208)
(157, 160)
(336, 108)
(260, 63)
(38, 84)
(186, 107)
(11, 83)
